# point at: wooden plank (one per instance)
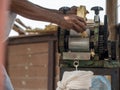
(51, 67)
(18, 72)
(38, 83)
(23, 39)
(28, 59)
(19, 30)
(24, 49)
(111, 11)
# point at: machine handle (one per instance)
(97, 9)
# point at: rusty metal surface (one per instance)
(90, 63)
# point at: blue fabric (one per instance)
(101, 83)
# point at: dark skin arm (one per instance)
(35, 12)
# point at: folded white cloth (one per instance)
(75, 80)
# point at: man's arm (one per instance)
(32, 11)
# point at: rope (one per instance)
(75, 80)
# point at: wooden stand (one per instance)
(31, 62)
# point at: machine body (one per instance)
(92, 51)
(93, 47)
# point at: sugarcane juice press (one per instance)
(92, 51)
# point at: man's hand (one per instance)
(73, 22)
(73, 10)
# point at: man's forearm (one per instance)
(35, 12)
(52, 10)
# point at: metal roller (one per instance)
(74, 33)
(78, 44)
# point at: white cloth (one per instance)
(75, 80)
